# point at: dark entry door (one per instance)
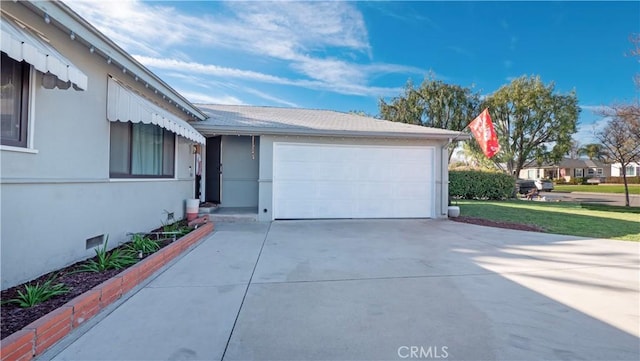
(213, 170)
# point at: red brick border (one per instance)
(44, 332)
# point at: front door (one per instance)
(214, 170)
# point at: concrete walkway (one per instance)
(378, 290)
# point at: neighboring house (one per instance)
(310, 164)
(93, 143)
(632, 170)
(568, 168)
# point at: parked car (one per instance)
(544, 185)
(524, 186)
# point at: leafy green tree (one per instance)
(594, 151)
(533, 123)
(434, 104)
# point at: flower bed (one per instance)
(39, 335)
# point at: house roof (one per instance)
(257, 120)
(570, 163)
(67, 20)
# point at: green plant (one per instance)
(475, 184)
(176, 227)
(38, 293)
(141, 244)
(116, 259)
(171, 227)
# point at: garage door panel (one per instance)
(409, 190)
(376, 191)
(337, 181)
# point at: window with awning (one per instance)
(22, 43)
(124, 105)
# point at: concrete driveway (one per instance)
(378, 290)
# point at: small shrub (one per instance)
(142, 244)
(176, 227)
(38, 293)
(116, 259)
(474, 184)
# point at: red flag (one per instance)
(485, 134)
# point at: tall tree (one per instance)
(594, 151)
(533, 123)
(433, 104)
(620, 137)
(574, 150)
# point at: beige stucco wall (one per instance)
(58, 194)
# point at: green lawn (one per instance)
(568, 218)
(600, 188)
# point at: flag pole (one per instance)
(465, 127)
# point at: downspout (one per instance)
(444, 183)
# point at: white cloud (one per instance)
(596, 109)
(308, 36)
(225, 72)
(592, 122)
(199, 98)
(270, 97)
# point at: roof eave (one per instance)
(221, 130)
(86, 32)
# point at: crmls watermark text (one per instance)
(423, 352)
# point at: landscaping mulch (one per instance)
(13, 318)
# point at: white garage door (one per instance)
(348, 181)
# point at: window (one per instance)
(579, 172)
(15, 101)
(141, 151)
(630, 171)
(599, 172)
(591, 172)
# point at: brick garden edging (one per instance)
(42, 333)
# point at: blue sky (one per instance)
(346, 55)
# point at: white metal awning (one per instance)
(124, 105)
(21, 43)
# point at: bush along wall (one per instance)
(475, 184)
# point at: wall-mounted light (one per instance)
(72, 36)
(195, 148)
(92, 49)
(46, 18)
(109, 61)
(124, 70)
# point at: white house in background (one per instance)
(306, 164)
(567, 169)
(632, 170)
(93, 143)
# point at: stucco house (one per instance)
(288, 163)
(568, 168)
(93, 143)
(632, 169)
